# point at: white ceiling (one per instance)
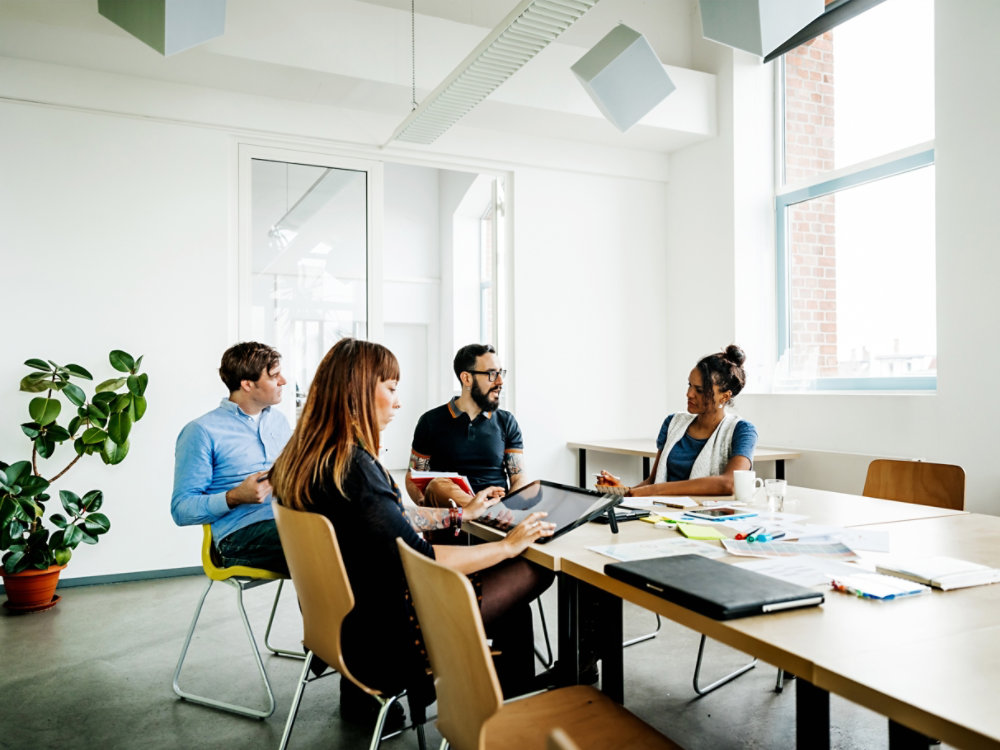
(356, 54)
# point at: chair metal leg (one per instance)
(294, 709)
(267, 633)
(720, 682)
(211, 702)
(547, 660)
(647, 636)
(779, 684)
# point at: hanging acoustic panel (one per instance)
(168, 26)
(756, 26)
(623, 76)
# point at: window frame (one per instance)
(887, 165)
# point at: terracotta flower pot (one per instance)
(32, 590)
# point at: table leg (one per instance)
(582, 461)
(904, 738)
(812, 716)
(605, 612)
(645, 466)
(779, 469)
(568, 665)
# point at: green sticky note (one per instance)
(694, 531)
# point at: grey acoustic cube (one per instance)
(168, 26)
(623, 76)
(757, 26)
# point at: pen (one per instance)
(743, 535)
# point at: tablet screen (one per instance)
(567, 506)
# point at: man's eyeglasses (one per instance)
(491, 375)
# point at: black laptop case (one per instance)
(713, 588)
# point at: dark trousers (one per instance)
(256, 546)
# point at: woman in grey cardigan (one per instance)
(698, 451)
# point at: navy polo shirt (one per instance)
(475, 448)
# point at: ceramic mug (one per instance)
(745, 484)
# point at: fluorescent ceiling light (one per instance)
(525, 32)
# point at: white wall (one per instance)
(120, 231)
(116, 234)
(590, 291)
(955, 424)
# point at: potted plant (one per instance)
(34, 554)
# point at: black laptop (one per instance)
(567, 507)
(713, 588)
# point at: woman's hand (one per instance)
(607, 479)
(526, 532)
(483, 500)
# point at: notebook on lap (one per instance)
(713, 588)
(567, 507)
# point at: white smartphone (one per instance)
(719, 514)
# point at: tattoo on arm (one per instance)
(425, 519)
(513, 464)
(419, 463)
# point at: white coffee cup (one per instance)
(745, 484)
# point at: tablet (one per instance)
(567, 507)
(720, 514)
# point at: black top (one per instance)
(474, 448)
(381, 641)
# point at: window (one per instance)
(855, 210)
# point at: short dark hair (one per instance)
(466, 358)
(246, 361)
(724, 369)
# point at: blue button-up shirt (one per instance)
(215, 453)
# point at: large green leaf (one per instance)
(15, 562)
(113, 384)
(36, 382)
(31, 429)
(96, 414)
(32, 484)
(45, 446)
(137, 384)
(96, 524)
(122, 402)
(138, 407)
(44, 410)
(104, 399)
(75, 394)
(119, 426)
(38, 364)
(58, 520)
(94, 436)
(74, 425)
(79, 372)
(72, 536)
(117, 454)
(121, 361)
(93, 500)
(57, 433)
(18, 471)
(71, 502)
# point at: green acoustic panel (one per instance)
(168, 26)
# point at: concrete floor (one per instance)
(95, 672)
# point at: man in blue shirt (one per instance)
(222, 459)
(469, 435)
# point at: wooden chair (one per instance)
(471, 711)
(940, 485)
(241, 578)
(325, 598)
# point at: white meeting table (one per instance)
(863, 650)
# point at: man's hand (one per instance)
(484, 499)
(254, 489)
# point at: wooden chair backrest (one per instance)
(468, 692)
(940, 485)
(325, 596)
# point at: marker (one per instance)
(767, 537)
(743, 535)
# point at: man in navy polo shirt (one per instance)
(468, 435)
